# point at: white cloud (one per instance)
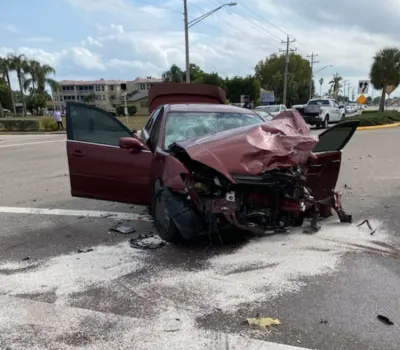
(11, 28)
(39, 39)
(86, 59)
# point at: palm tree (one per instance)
(173, 75)
(5, 74)
(335, 85)
(39, 77)
(19, 64)
(321, 81)
(385, 71)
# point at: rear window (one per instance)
(319, 102)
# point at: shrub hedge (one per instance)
(19, 125)
(372, 118)
(49, 124)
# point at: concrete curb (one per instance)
(33, 133)
(376, 127)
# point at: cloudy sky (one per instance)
(124, 39)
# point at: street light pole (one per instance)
(187, 63)
(188, 24)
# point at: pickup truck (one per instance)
(322, 111)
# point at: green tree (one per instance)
(5, 75)
(385, 70)
(19, 64)
(270, 73)
(196, 73)
(89, 98)
(237, 86)
(173, 75)
(211, 79)
(335, 85)
(5, 97)
(39, 77)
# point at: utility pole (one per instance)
(287, 51)
(185, 14)
(312, 62)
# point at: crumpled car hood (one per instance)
(283, 142)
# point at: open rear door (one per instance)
(323, 172)
(177, 93)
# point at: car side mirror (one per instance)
(131, 143)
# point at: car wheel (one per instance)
(325, 125)
(164, 225)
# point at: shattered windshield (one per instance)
(188, 125)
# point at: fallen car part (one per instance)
(123, 227)
(385, 320)
(369, 226)
(146, 241)
(263, 322)
(85, 250)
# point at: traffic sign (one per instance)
(362, 100)
(390, 88)
(363, 86)
(267, 97)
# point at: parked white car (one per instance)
(272, 109)
(322, 111)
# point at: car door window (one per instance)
(91, 124)
(336, 137)
(155, 131)
(150, 123)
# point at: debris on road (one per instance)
(323, 321)
(385, 320)
(26, 258)
(85, 250)
(123, 227)
(369, 226)
(147, 241)
(263, 322)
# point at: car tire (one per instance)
(325, 124)
(164, 225)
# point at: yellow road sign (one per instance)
(362, 100)
(390, 88)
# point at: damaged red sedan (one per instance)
(204, 166)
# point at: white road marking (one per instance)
(54, 323)
(30, 143)
(68, 212)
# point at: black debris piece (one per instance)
(365, 222)
(385, 320)
(323, 321)
(123, 227)
(85, 250)
(369, 226)
(146, 241)
(26, 258)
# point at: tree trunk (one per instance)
(382, 101)
(21, 89)
(11, 95)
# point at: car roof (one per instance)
(208, 107)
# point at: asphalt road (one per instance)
(326, 289)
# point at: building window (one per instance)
(97, 87)
(144, 104)
(111, 87)
(103, 97)
(142, 86)
(102, 88)
(148, 86)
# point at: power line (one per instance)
(312, 62)
(287, 51)
(264, 20)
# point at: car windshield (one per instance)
(182, 126)
(319, 102)
(270, 109)
(264, 114)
